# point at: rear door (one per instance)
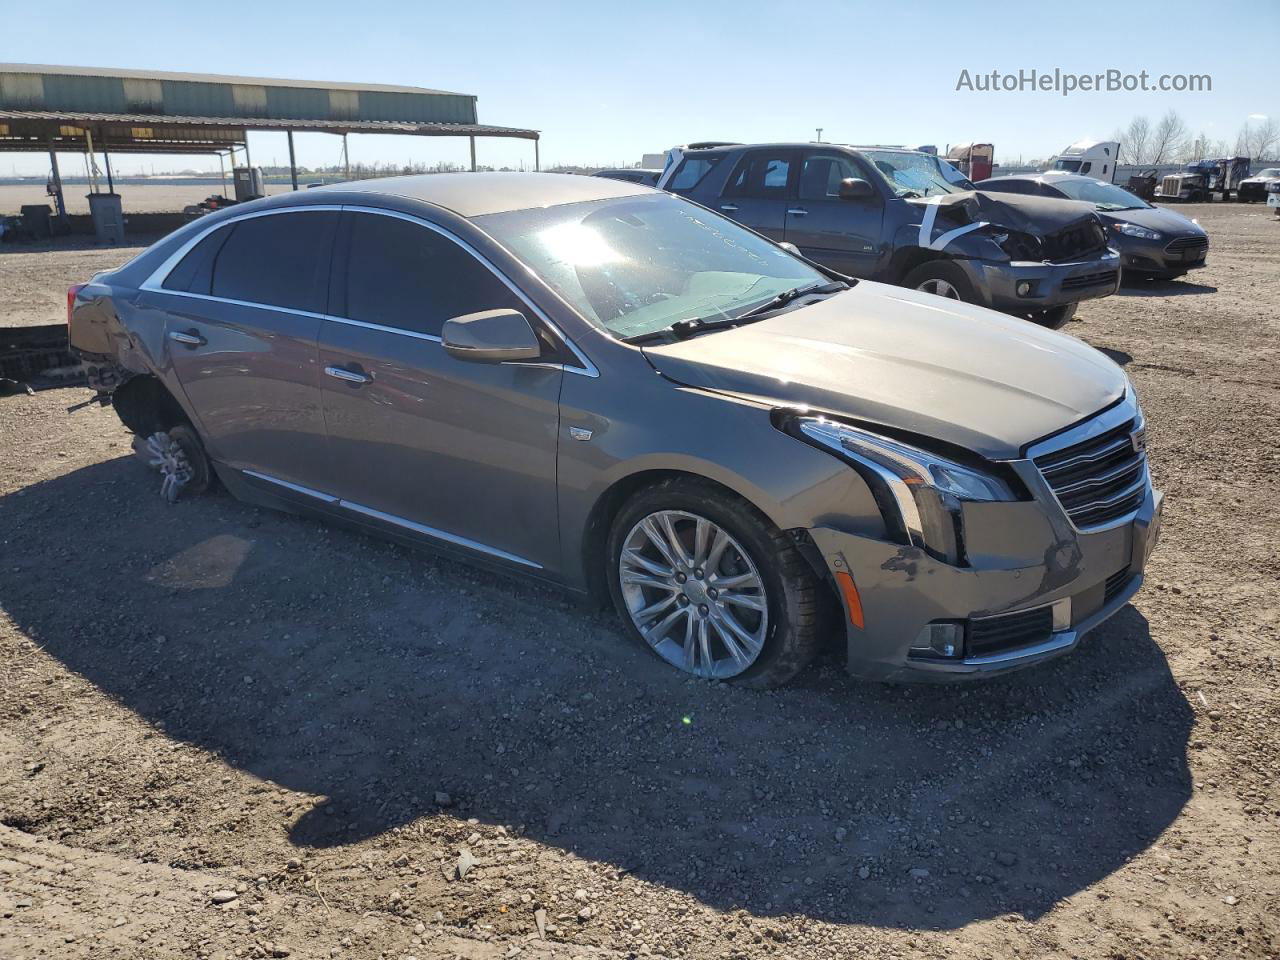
(243, 310)
(461, 452)
(757, 192)
(842, 234)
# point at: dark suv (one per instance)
(905, 217)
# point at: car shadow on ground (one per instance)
(335, 664)
(1142, 287)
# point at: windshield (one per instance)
(1107, 196)
(917, 174)
(1072, 165)
(636, 265)
(1270, 172)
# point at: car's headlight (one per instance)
(1133, 230)
(919, 491)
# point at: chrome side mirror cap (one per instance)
(491, 336)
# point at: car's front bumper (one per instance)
(1155, 256)
(1050, 284)
(1022, 558)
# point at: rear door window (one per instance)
(194, 272)
(401, 274)
(763, 174)
(280, 260)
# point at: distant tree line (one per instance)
(1169, 140)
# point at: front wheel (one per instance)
(942, 279)
(708, 584)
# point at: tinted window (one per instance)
(401, 274)
(763, 174)
(280, 260)
(1008, 186)
(691, 171)
(821, 175)
(194, 272)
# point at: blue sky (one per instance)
(606, 81)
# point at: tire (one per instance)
(783, 627)
(1055, 318)
(929, 277)
(179, 456)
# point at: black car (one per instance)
(1152, 241)
(905, 217)
(640, 175)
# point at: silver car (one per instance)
(618, 391)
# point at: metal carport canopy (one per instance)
(130, 111)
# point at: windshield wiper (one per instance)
(786, 296)
(688, 327)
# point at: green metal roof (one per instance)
(79, 90)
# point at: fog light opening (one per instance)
(1024, 288)
(940, 641)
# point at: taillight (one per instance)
(72, 290)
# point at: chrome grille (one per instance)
(1100, 479)
(1170, 186)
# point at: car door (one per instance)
(243, 309)
(842, 234)
(460, 452)
(757, 192)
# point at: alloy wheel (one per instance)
(940, 288)
(694, 594)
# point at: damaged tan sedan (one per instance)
(618, 391)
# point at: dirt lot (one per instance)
(136, 197)
(207, 702)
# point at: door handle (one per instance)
(188, 338)
(350, 376)
(797, 212)
(729, 207)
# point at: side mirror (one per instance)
(855, 188)
(791, 248)
(491, 336)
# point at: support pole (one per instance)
(346, 158)
(58, 199)
(111, 187)
(222, 174)
(536, 163)
(473, 153)
(293, 164)
(247, 162)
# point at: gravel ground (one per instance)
(231, 732)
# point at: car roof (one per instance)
(477, 194)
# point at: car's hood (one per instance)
(914, 361)
(1156, 218)
(1259, 180)
(1037, 216)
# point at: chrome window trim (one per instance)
(588, 369)
(391, 518)
(155, 282)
